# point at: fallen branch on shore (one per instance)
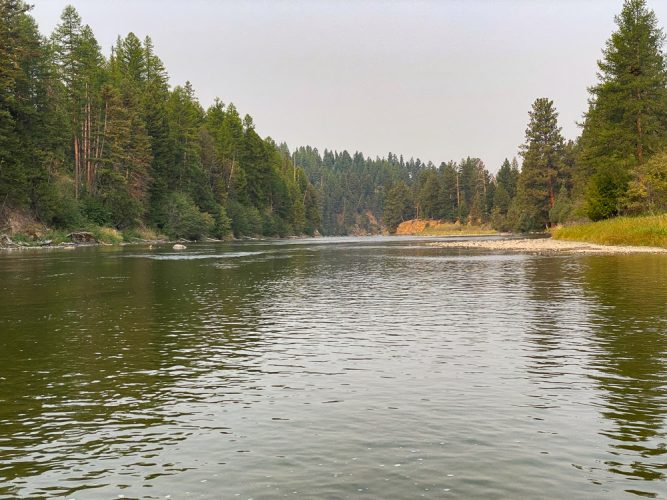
(82, 237)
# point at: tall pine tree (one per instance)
(626, 121)
(542, 162)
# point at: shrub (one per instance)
(246, 220)
(647, 192)
(94, 210)
(56, 205)
(605, 193)
(182, 218)
(562, 209)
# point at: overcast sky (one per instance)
(437, 80)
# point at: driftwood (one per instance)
(6, 241)
(82, 237)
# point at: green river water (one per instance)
(331, 368)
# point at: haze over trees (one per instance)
(618, 165)
(88, 139)
(626, 123)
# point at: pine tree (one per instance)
(397, 206)
(542, 162)
(508, 177)
(626, 121)
(28, 121)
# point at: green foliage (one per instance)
(398, 206)
(647, 192)
(350, 187)
(105, 235)
(636, 231)
(520, 217)
(56, 205)
(606, 193)
(113, 131)
(222, 226)
(246, 219)
(105, 141)
(123, 209)
(627, 119)
(28, 122)
(501, 200)
(182, 218)
(562, 209)
(542, 165)
(94, 210)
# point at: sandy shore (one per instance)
(545, 246)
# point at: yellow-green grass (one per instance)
(103, 235)
(433, 227)
(648, 231)
(455, 230)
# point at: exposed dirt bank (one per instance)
(546, 246)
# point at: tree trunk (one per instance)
(640, 148)
(458, 199)
(76, 166)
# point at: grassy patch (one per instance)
(422, 227)
(142, 234)
(104, 235)
(455, 229)
(107, 235)
(635, 231)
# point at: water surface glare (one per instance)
(331, 368)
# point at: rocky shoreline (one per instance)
(545, 246)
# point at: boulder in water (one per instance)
(178, 246)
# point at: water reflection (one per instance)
(604, 317)
(358, 367)
(556, 332)
(96, 350)
(629, 330)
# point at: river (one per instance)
(331, 368)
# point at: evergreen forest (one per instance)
(94, 140)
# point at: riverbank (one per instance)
(546, 246)
(108, 237)
(424, 227)
(89, 236)
(646, 231)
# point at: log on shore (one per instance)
(82, 237)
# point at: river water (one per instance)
(331, 368)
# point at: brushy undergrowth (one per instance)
(634, 231)
(142, 234)
(107, 235)
(104, 235)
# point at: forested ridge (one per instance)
(617, 166)
(89, 141)
(93, 140)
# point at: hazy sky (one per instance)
(437, 80)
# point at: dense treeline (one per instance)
(618, 166)
(92, 140)
(86, 139)
(352, 187)
(360, 194)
